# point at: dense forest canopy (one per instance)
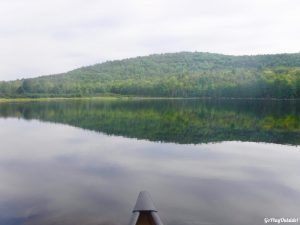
(183, 74)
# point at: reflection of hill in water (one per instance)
(179, 121)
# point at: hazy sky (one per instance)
(39, 37)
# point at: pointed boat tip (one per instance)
(144, 202)
(144, 206)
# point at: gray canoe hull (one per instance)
(144, 212)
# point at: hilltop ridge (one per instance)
(183, 74)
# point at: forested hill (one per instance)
(183, 74)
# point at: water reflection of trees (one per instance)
(179, 121)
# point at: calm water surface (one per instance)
(204, 162)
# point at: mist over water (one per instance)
(204, 162)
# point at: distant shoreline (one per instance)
(106, 98)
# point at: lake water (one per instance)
(83, 162)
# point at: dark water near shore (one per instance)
(204, 162)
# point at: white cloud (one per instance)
(40, 37)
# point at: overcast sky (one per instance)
(39, 37)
